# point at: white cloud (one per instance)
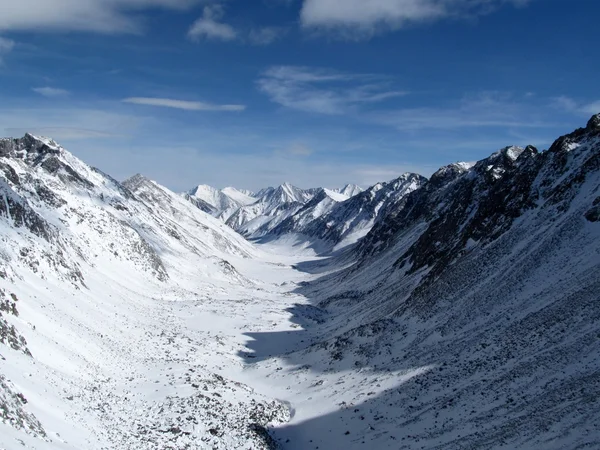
(323, 91)
(66, 124)
(51, 92)
(571, 105)
(364, 18)
(486, 109)
(182, 104)
(591, 108)
(106, 16)
(209, 27)
(6, 46)
(266, 35)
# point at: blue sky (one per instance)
(315, 92)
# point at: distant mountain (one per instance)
(350, 190)
(338, 222)
(271, 207)
(218, 203)
(255, 214)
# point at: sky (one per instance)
(252, 93)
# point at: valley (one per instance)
(458, 311)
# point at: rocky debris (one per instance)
(9, 335)
(12, 411)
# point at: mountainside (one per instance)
(218, 203)
(336, 224)
(271, 207)
(484, 288)
(89, 271)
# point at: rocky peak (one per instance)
(29, 147)
(448, 173)
(136, 181)
(594, 123)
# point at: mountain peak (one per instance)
(594, 122)
(29, 146)
(202, 188)
(134, 182)
(350, 190)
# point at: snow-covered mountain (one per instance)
(337, 223)
(467, 315)
(89, 271)
(481, 292)
(254, 215)
(350, 190)
(272, 205)
(219, 203)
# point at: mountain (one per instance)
(272, 206)
(336, 223)
(218, 203)
(94, 275)
(350, 190)
(255, 214)
(466, 316)
(482, 292)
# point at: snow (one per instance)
(242, 197)
(337, 196)
(350, 190)
(153, 325)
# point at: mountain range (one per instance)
(450, 312)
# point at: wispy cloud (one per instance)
(66, 124)
(571, 105)
(114, 16)
(182, 104)
(51, 92)
(266, 35)
(6, 46)
(324, 91)
(362, 19)
(209, 27)
(485, 109)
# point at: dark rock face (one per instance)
(65, 172)
(480, 204)
(21, 214)
(9, 335)
(12, 411)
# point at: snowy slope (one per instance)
(474, 308)
(241, 196)
(219, 203)
(91, 349)
(350, 190)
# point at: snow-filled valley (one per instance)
(459, 311)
